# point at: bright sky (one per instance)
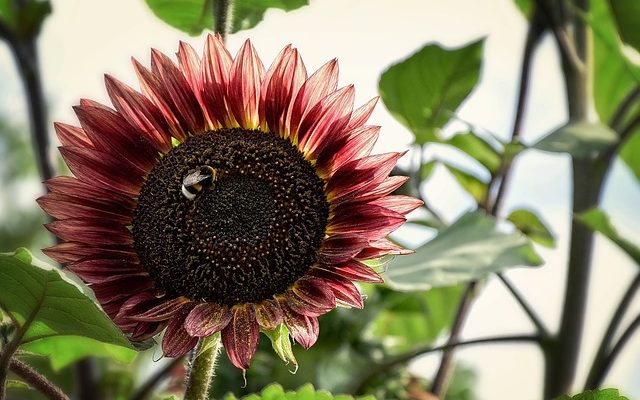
(86, 38)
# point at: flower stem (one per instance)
(203, 365)
(222, 17)
(37, 381)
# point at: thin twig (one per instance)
(37, 381)
(608, 361)
(535, 319)
(623, 108)
(147, 388)
(607, 338)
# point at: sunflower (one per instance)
(224, 198)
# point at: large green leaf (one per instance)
(630, 153)
(414, 319)
(194, 16)
(598, 221)
(478, 148)
(603, 394)
(532, 225)
(53, 310)
(422, 91)
(475, 186)
(306, 392)
(24, 21)
(471, 248)
(627, 17)
(580, 139)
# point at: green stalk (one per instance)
(203, 367)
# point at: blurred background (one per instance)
(84, 39)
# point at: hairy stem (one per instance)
(37, 381)
(595, 374)
(222, 17)
(203, 366)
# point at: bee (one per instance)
(197, 180)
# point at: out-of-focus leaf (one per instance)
(282, 344)
(471, 183)
(627, 17)
(422, 91)
(532, 225)
(414, 319)
(306, 392)
(478, 149)
(427, 169)
(525, 6)
(194, 16)
(343, 370)
(580, 139)
(512, 149)
(65, 350)
(630, 153)
(51, 306)
(24, 21)
(598, 221)
(603, 394)
(427, 222)
(469, 249)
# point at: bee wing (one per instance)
(194, 178)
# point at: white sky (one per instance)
(86, 38)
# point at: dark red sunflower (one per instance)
(224, 198)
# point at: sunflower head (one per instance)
(224, 198)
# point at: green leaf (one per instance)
(342, 370)
(471, 183)
(525, 6)
(282, 344)
(531, 225)
(51, 308)
(65, 350)
(471, 248)
(306, 392)
(24, 21)
(627, 17)
(580, 139)
(427, 169)
(15, 384)
(603, 394)
(194, 16)
(598, 221)
(422, 91)
(414, 319)
(478, 149)
(630, 153)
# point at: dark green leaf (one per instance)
(24, 21)
(422, 91)
(194, 16)
(52, 306)
(598, 221)
(342, 370)
(581, 140)
(603, 394)
(627, 17)
(414, 319)
(630, 153)
(471, 248)
(478, 149)
(471, 183)
(525, 6)
(531, 225)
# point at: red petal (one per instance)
(311, 297)
(353, 145)
(206, 319)
(146, 330)
(316, 88)
(215, 77)
(303, 329)
(120, 288)
(240, 337)
(111, 171)
(71, 136)
(381, 247)
(283, 80)
(184, 102)
(101, 270)
(340, 248)
(134, 305)
(73, 251)
(364, 219)
(245, 80)
(70, 186)
(162, 312)
(176, 341)
(346, 292)
(359, 272)
(61, 206)
(93, 231)
(398, 203)
(140, 112)
(268, 314)
(362, 114)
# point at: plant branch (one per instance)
(623, 109)
(37, 381)
(568, 51)
(595, 376)
(222, 17)
(535, 319)
(203, 366)
(608, 361)
(147, 388)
